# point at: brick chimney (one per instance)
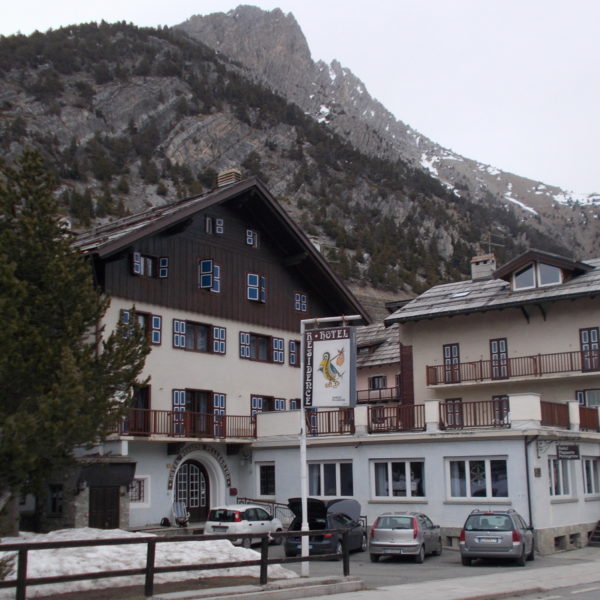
(229, 176)
(482, 266)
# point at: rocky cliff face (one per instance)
(273, 48)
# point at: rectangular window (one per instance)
(300, 301)
(294, 353)
(499, 358)
(137, 490)
(219, 226)
(399, 478)
(377, 382)
(266, 480)
(209, 275)
(294, 404)
(589, 398)
(279, 403)
(256, 290)
(478, 478)
(256, 347)
(252, 238)
(198, 337)
(591, 477)
(559, 477)
(278, 352)
(330, 479)
(163, 267)
(143, 265)
(451, 363)
(151, 325)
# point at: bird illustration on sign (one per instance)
(329, 367)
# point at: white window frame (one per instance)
(537, 278)
(591, 475)
(407, 477)
(564, 481)
(338, 478)
(469, 497)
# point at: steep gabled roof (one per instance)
(465, 297)
(383, 345)
(573, 267)
(288, 238)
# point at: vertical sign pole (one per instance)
(305, 569)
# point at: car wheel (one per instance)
(438, 550)
(338, 550)
(246, 542)
(521, 560)
(420, 557)
(374, 557)
(466, 561)
(363, 544)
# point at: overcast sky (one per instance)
(511, 83)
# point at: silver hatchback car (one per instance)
(404, 534)
(496, 534)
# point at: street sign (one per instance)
(567, 452)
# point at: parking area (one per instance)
(396, 571)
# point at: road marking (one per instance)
(592, 589)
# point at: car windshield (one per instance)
(489, 523)
(395, 523)
(223, 515)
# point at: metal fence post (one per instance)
(264, 557)
(345, 554)
(21, 574)
(150, 555)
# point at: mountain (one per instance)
(272, 46)
(129, 118)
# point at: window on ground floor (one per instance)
(591, 477)
(138, 490)
(477, 477)
(266, 479)
(559, 477)
(330, 479)
(398, 478)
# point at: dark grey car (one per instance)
(404, 534)
(326, 515)
(496, 534)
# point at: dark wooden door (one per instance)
(589, 339)
(499, 358)
(192, 488)
(104, 507)
(451, 363)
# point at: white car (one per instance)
(242, 518)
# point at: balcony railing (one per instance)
(330, 422)
(521, 366)
(555, 415)
(588, 419)
(398, 417)
(466, 415)
(391, 394)
(144, 422)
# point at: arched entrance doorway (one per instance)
(192, 487)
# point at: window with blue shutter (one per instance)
(216, 286)
(179, 405)
(156, 329)
(125, 317)
(163, 267)
(293, 350)
(279, 403)
(256, 287)
(219, 415)
(300, 301)
(252, 238)
(178, 334)
(278, 354)
(294, 404)
(219, 226)
(244, 345)
(206, 274)
(256, 404)
(219, 346)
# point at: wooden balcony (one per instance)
(398, 417)
(339, 421)
(555, 415)
(522, 366)
(467, 415)
(588, 419)
(174, 424)
(391, 394)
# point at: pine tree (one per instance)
(60, 386)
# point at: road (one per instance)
(579, 592)
(393, 571)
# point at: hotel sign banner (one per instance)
(329, 367)
(567, 452)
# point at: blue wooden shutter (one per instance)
(136, 263)
(244, 345)
(278, 356)
(178, 412)
(163, 267)
(219, 346)
(178, 334)
(206, 274)
(156, 329)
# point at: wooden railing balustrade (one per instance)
(554, 414)
(388, 394)
(588, 419)
(484, 413)
(339, 421)
(398, 417)
(520, 366)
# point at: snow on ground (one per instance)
(48, 563)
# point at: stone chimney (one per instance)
(229, 176)
(482, 266)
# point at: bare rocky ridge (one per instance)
(273, 48)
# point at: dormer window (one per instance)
(536, 275)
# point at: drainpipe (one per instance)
(528, 442)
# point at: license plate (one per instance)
(219, 528)
(488, 540)
(392, 550)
